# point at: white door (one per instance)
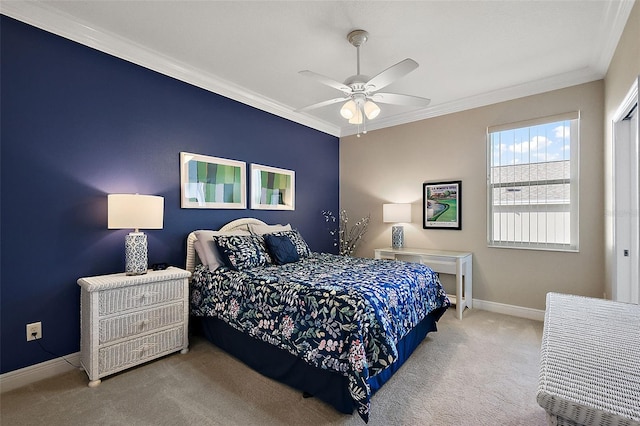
(626, 279)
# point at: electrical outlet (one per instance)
(34, 331)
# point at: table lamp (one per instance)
(396, 213)
(135, 211)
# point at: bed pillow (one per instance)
(243, 251)
(281, 249)
(301, 245)
(207, 250)
(267, 229)
(197, 246)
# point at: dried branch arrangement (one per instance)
(346, 238)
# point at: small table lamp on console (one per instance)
(396, 213)
(135, 211)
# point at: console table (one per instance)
(442, 261)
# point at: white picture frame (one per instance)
(212, 183)
(272, 188)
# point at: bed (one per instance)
(335, 327)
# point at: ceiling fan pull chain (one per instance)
(364, 119)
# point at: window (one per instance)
(532, 179)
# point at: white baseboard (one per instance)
(516, 311)
(44, 370)
(27, 375)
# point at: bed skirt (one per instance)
(328, 386)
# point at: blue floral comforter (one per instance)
(339, 313)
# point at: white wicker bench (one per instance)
(590, 362)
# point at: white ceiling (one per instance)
(471, 53)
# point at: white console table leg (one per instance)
(468, 283)
(460, 296)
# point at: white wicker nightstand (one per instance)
(128, 320)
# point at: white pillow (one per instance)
(197, 245)
(268, 229)
(207, 249)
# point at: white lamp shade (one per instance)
(371, 110)
(135, 211)
(348, 110)
(357, 118)
(396, 213)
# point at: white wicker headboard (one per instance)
(238, 224)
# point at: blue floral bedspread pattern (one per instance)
(339, 313)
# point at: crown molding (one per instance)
(44, 17)
(618, 13)
(559, 81)
(40, 15)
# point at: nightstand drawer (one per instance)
(140, 322)
(120, 356)
(136, 297)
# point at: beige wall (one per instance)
(390, 165)
(623, 70)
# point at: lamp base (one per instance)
(135, 253)
(397, 236)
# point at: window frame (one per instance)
(573, 205)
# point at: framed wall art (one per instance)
(272, 188)
(442, 206)
(212, 183)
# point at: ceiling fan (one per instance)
(360, 91)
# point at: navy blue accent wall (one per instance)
(78, 124)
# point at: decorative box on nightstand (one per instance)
(128, 320)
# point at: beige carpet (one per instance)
(482, 370)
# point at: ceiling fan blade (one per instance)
(391, 74)
(398, 99)
(327, 81)
(323, 103)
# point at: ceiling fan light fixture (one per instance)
(348, 110)
(371, 109)
(358, 90)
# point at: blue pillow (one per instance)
(281, 249)
(301, 245)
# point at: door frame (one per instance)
(626, 203)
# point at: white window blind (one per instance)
(532, 182)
